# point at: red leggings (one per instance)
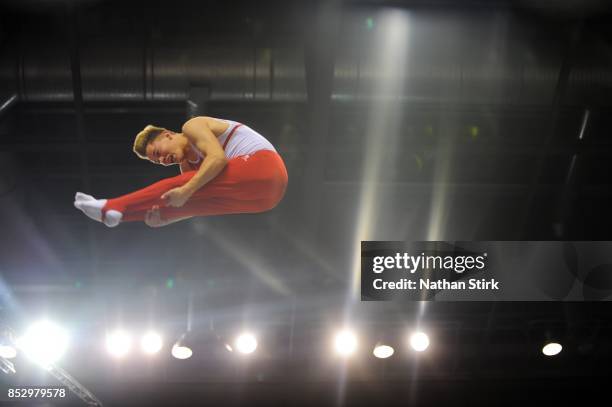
(248, 184)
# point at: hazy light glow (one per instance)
(250, 260)
(383, 351)
(246, 343)
(118, 343)
(386, 63)
(552, 349)
(181, 352)
(419, 341)
(151, 343)
(389, 68)
(345, 343)
(44, 342)
(7, 352)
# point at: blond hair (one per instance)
(145, 137)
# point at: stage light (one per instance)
(345, 343)
(382, 351)
(419, 341)
(7, 352)
(118, 343)
(181, 352)
(246, 343)
(44, 342)
(182, 349)
(552, 349)
(151, 343)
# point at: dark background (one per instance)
(500, 130)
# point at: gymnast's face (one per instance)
(166, 149)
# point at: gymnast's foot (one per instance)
(83, 197)
(92, 207)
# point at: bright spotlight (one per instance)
(7, 352)
(181, 352)
(383, 351)
(246, 343)
(552, 349)
(118, 343)
(182, 347)
(345, 343)
(151, 343)
(44, 342)
(419, 341)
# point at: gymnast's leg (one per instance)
(248, 184)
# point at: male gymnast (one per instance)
(226, 167)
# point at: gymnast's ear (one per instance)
(167, 134)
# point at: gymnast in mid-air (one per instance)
(226, 167)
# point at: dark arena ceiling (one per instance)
(497, 126)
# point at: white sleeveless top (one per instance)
(242, 141)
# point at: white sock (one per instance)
(93, 208)
(83, 197)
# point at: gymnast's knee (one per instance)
(275, 197)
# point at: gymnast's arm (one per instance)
(153, 216)
(199, 133)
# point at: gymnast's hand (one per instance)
(176, 197)
(153, 217)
